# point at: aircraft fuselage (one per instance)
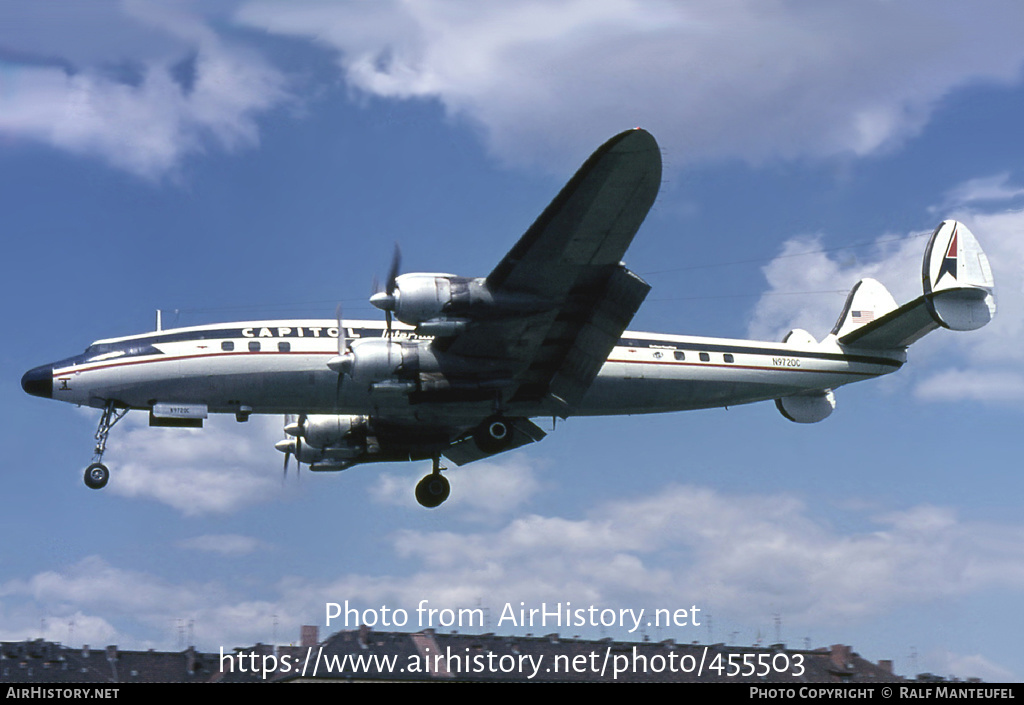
(280, 367)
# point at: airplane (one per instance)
(461, 365)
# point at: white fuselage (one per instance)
(280, 367)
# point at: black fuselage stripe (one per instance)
(358, 333)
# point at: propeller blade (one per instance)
(293, 446)
(342, 349)
(342, 336)
(396, 265)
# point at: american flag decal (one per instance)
(862, 316)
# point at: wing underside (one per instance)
(568, 266)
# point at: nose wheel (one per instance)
(97, 474)
(433, 489)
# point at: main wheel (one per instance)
(96, 476)
(432, 490)
(493, 435)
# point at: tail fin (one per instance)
(958, 279)
(957, 295)
(868, 301)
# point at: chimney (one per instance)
(112, 660)
(885, 665)
(309, 635)
(840, 656)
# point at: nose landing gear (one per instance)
(97, 474)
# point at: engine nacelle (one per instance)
(807, 408)
(371, 360)
(330, 442)
(336, 442)
(425, 297)
(324, 431)
(376, 360)
(442, 304)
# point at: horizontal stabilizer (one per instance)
(898, 329)
(957, 295)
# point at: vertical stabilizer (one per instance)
(958, 279)
(957, 295)
(868, 301)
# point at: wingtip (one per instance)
(633, 137)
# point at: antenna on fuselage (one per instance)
(159, 320)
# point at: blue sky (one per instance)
(242, 160)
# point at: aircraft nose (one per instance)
(39, 381)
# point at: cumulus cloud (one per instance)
(143, 85)
(140, 610)
(547, 80)
(982, 189)
(987, 366)
(213, 470)
(747, 556)
(224, 544)
(979, 385)
(147, 86)
(827, 277)
(969, 665)
(487, 488)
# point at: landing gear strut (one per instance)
(97, 475)
(433, 489)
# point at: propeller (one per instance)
(289, 446)
(385, 300)
(342, 363)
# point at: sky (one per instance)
(242, 160)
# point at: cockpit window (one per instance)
(110, 351)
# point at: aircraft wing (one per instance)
(577, 296)
(466, 450)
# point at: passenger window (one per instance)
(728, 357)
(704, 357)
(254, 346)
(284, 347)
(679, 355)
(227, 345)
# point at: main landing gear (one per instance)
(492, 436)
(97, 474)
(433, 489)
